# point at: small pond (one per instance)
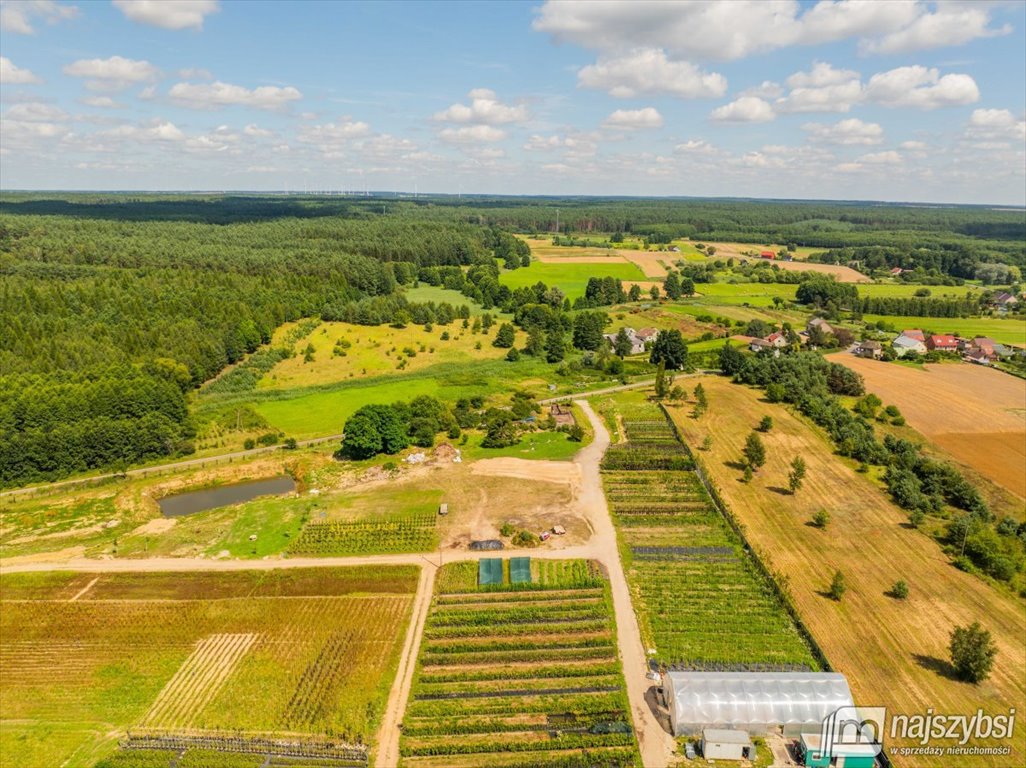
(212, 498)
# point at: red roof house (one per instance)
(942, 343)
(914, 333)
(768, 255)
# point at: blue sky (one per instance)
(882, 100)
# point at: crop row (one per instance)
(407, 533)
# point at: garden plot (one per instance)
(701, 601)
(519, 674)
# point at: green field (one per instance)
(530, 669)
(701, 602)
(1003, 330)
(308, 652)
(569, 278)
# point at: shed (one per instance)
(754, 702)
(768, 255)
(489, 571)
(722, 744)
(443, 508)
(841, 755)
(520, 570)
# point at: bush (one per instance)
(972, 652)
(766, 424)
(837, 587)
(249, 443)
(900, 590)
(821, 519)
(525, 539)
(507, 529)
(290, 444)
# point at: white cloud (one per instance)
(14, 75)
(747, 109)
(913, 145)
(168, 14)
(484, 109)
(633, 119)
(256, 131)
(36, 112)
(881, 158)
(848, 132)
(160, 131)
(218, 94)
(333, 134)
(102, 102)
(996, 124)
(648, 71)
(112, 74)
(195, 73)
(696, 147)
(823, 89)
(17, 15)
(922, 88)
(147, 93)
(733, 29)
(950, 24)
(767, 89)
(472, 134)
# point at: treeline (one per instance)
(915, 482)
(932, 262)
(72, 422)
(828, 294)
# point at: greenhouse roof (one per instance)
(754, 700)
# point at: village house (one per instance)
(819, 322)
(942, 343)
(983, 350)
(871, 349)
(762, 345)
(977, 356)
(637, 344)
(915, 333)
(648, 335)
(1004, 301)
(904, 344)
(768, 255)
(777, 339)
(896, 271)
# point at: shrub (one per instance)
(525, 539)
(837, 587)
(821, 519)
(900, 590)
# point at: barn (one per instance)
(768, 255)
(753, 702)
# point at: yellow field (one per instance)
(893, 652)
(652, 263)
(375, 350)
(976, 414)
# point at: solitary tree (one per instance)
(837, 587)
(701, 401)
(672, 286)
(747, 475)
(505, 337)
(972, 652)
(660, 380)
(707, 443)
(634, 294)
(766, 424)
(900, 590)
(754, 451)
(821, 519)
(670, 347)
(796, 475)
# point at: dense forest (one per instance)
(113, 307)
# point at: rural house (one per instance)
(648, 335)
(942, 343)
(895, 271)
(977, 356)
(819, 322)
(768, 255)
(1004, 301)
(761, 345)
(777, 339)
(915, 333)
(904, 344)
(871, 349)
(637, 344)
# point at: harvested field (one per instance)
(307, 652)
(894, 652)
(976, 414)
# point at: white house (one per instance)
(903, 344)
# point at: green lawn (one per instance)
(1003, 330)
(553, 446)
(569, 278)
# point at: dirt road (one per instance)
(655, 743)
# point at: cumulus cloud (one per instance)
(168, 14)
(696, 147)
(823, 89)
(334, 134)
(18, 15)
(160, 131)
(881, 158)
(472, 134)
(195, 73)
(648, 71)
(845, 132)
(102, 102)
(113, 74)
(921, 88)
(747, 109)
(14, 75)
(36, 112)
(634, 119)
(484, 109)
(733, 29)
(256, 131)
(995, 125)
(218, 94)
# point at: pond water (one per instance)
(222, 496)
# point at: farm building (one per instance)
(777, 339)
(562, 415)
(904, 344)
(761, 345)
(721, 744)
(753, 702)
(647, 335)
(871, 349)
(914, 333)
(942, 343)
(768, 255)
(819, 322)
(845, 755)
(1004, 301)
(637, 344)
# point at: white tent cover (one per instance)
(753, 701)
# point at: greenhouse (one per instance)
(755, 702)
